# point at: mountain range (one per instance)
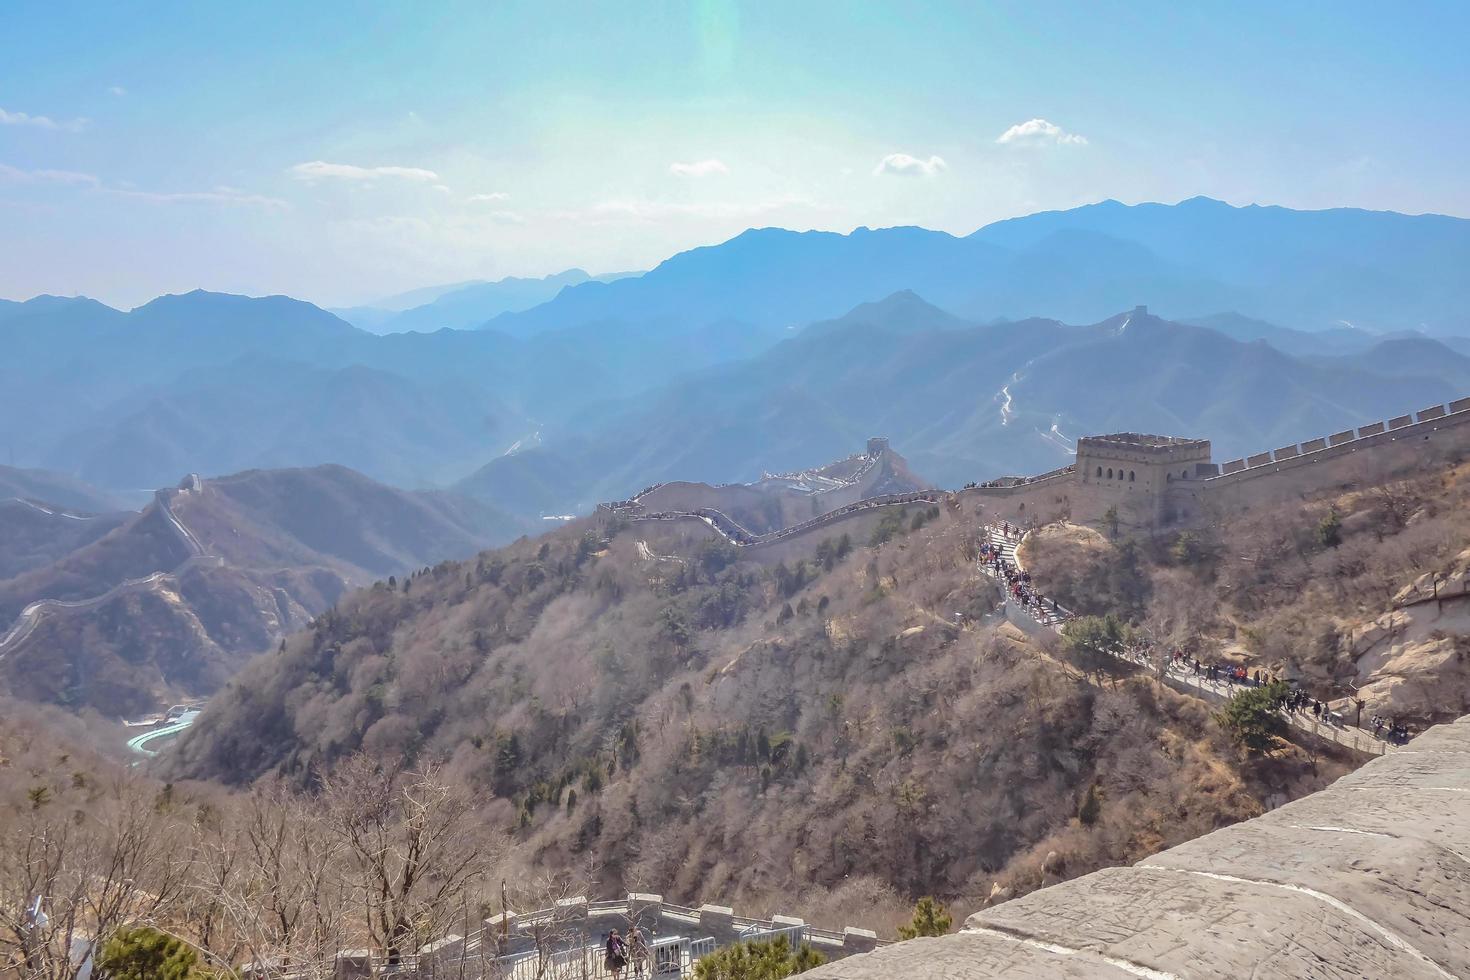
(766, 352)
(966, 402)
(466, 305)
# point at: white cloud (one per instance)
(40, 122)
(490, 198)
(220, 195)
(903, 165)
(1035, 132)
(47, 176)
(117, 90)
(443, 189)
(699, 168)
(318, 169)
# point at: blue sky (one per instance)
(339, 152)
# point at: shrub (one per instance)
(144, 953)
(930, 919)
(1252, 717)
(769, 959)
(1329, 530)
(1091, 807)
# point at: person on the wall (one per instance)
(616, 956)
(638, 951)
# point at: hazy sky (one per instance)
(336, 154)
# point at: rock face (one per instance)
(1414, 662)
(1434, 585)
(1368, 878)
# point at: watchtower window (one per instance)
(1184, 474)
(1130, 476)
(1110, 472)
(1099, 471)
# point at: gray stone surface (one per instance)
(972, 956)
(1368, 878)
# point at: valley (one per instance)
(129, 612)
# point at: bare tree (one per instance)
(71, 875)
(410, 849)
(279, 875)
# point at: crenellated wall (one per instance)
(782, 501)
(1149, 482)
(1437, 434)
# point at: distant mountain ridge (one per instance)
(217, 384)
(961, 401)
(122, 611)
(467, 305)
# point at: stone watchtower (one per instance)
(1133, 472)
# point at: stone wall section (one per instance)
(1367, 878)
(1292, 473)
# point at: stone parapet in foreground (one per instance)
(1368, 878)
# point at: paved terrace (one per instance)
(1368, 878)
(566, 941)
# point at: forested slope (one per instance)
(712, 728)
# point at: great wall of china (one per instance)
(195, 557)
(1148, 482)
(1367, 878)
(566, 940)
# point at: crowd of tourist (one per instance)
(993, 557)
(1017, 580)
(1390, 730)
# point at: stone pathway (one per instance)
(1007, 539)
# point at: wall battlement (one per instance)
(1139, 480)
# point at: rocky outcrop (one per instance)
(1438, 586)
(1368, 878)
(1413, 662)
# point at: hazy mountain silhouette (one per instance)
(1304, 269)
(1307, 269)
(58, 489)
(216, 383)
(961, 402)
(470, 304)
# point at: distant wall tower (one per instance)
(1140, 311)
(877, 445)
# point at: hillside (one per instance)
(36, 535)
(123, 611)
(805, 733)
(1351, 592)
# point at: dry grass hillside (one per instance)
(818, 737)
(140, 620)
(36, 535)
(1357, 593)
